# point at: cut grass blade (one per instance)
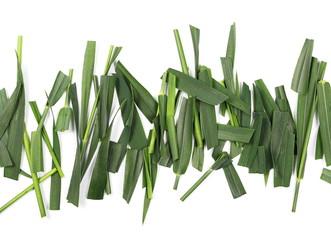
(207, 113)
(326, 175)
(319, 153)
(144, 100)
(112, 55)
(300, 80)
(268, 102)
(37, 152)
(45, 136)
(245, 120)
(232, 99)
(195, 35)
(304, 105)
(133, 166)
(198, 89)
(234, 182)
(249, 152)
(324, 114)
(221, 162)
(282, 148)
(185, 146)
(88, 69)
(235, 134)
(64, 117)
(55, 193)
(172, 135)
(231, 47)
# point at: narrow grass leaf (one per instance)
(195, 35)
(249, 152)
(59, 87)
(170, 118)
(55, 194)
(236, 134)
(300, 80)
(133, 166)
(234, 182)
(197, 88)
(144, 100)
(268, 102)
(324, 114)
(207, 113)
(88, 69)
(319, 153)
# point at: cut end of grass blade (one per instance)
(176, 182)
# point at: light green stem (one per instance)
(197, 184)
(28, 189)
(27, 146)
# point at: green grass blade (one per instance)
(195, 35)
(63, 120)
(246, 97)
(268, 102)
(172, 135)
(326, 175)
(228, 74)
(300, 80)
(198, 158)
(88, 69)
(324, 114)
(37, 152)
(5, 159)
(144, 100)
(198, 89)
(232, 99)
(181, 53)
(55, 194)
(249, 152)
(319, 153)
(231, 48)
(304, 105)
(133, 166)
(59, 87)
(236, 134)
(234, 182)
(207, 113)
(9, 108)
(37, 115)
(16, 126)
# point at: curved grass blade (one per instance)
(144, 100)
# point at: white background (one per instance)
(270, 35)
